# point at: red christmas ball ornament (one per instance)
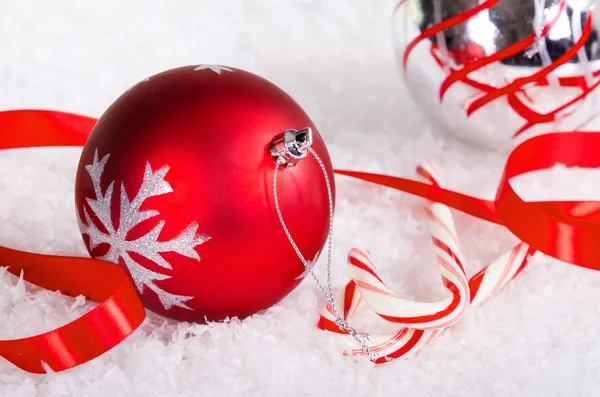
(175, 184)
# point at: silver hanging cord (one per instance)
(289, 148)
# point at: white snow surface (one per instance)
(537, 337)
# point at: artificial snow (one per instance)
(537, 337)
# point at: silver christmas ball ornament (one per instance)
(496, 72)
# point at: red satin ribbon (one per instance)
(120, 310)
(569, 231)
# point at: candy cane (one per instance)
(408, 340)
(411, 314)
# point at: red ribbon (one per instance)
(120, 310)
(569, 231)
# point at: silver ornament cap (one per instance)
(291, 146)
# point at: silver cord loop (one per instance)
(360, 337)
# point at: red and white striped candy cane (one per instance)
(408, 313)
(405, 341)
(408, 340)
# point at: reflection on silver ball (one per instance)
(496, 72)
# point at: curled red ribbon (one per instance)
(568, 231)
(120, 310)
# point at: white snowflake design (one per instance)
(311, 264)
(130, 216)
(215, 68)
(138, 83)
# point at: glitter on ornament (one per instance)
(311, 264)
(130, 216)
(215, 68)
(138, 83)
